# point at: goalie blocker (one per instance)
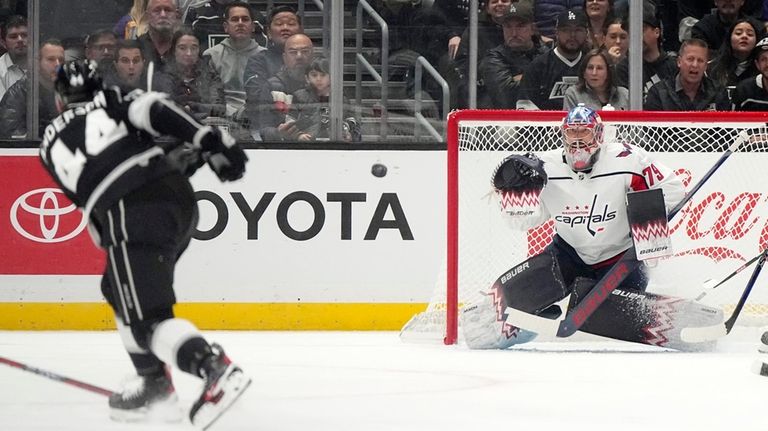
(536, 285)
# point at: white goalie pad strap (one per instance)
(169, 336)
(129, 341)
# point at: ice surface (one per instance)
(370, 381)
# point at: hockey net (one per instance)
(725, 225)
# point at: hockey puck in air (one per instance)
(759, 367)
(378, 170)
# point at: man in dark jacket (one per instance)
(657, 64)
(502, 69)
(276, 95)
(549, 75)
(283, 22)
(690, 89)
(13, 106)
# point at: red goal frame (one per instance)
(453, 169)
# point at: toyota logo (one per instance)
(48, 210)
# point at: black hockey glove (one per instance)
(223, 155)
(519, 173)
(229, 165)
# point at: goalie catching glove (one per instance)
(519, 173)
(223, 155)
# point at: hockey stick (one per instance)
(708, 333)
(708, 288)
(576, 316)
(58, 377)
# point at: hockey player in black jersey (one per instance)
(142, 211)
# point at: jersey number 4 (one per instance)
(101, 131)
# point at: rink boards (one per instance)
(307, 240)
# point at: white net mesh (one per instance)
(725, 225)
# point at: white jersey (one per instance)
(589, 209)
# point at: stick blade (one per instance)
(703, 333)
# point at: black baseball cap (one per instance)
(572, 17)
(650, 18)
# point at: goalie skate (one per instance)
(224, 384)
(146, 399)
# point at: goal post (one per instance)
(725, 224)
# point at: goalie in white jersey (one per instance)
(582, 187)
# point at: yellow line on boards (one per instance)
(244, 316)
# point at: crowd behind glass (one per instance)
(255, 68)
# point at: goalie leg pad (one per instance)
(484, 324)
(648, 318)
(535, 284)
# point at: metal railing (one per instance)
(423, 64)
(361, 61)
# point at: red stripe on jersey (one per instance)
(638, 183)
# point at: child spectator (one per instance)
(311, 109)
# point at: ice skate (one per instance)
(225, 382)
(146, 399)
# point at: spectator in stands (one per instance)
(162, 22)
(502, 69)
(547, 11)
(489, 35)
(13, 106)
(310, 108)
(733, 61)
(751, 94)
(713, 27)
(100, 47)
(230, 56)
(208, 21)
(596, 88)
(282, 23)
(598, 12)
(691, 89)
(616, 40)
(455, 14)
(276, 95)
(657, 64)
(13, 64)
(196, 85)
(134, 24)
(549, 75)
(130, 72)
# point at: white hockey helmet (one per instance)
(582, 137)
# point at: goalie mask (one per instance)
(582, 137)
(76, 82)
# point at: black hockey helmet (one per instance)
(77, 81)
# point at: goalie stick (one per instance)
(576, 316)
(708, 285)
(57, 377)
(707, 333)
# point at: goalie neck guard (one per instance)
(582, 137)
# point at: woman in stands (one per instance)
(733, 61)
(596, 87)
(616, 40)
(196, 85)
